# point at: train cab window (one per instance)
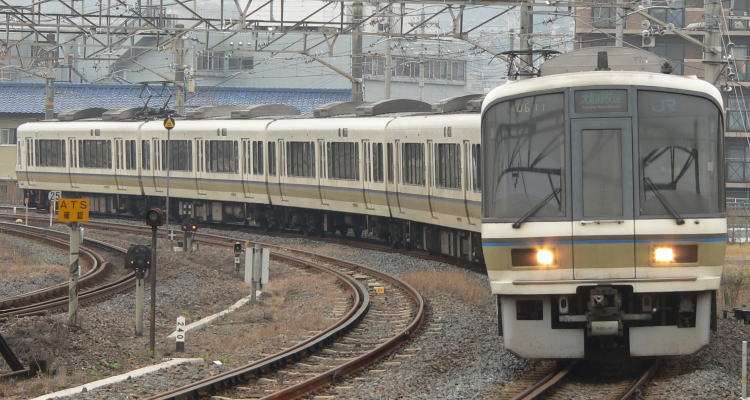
(300, 159)
(272, 158)
(476, 167)
(222, 156)
(448, 165)
(95, 153)
(413, 163)
(524, 141)
(342, 160)
(50, 153)
(180, 155)
(145, 154)
(679, 139)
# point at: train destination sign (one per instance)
(601, 101)
(73, 210)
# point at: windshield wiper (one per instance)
(536, 208)
(663, 201)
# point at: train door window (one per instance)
(257, 157)
(145, 154)
(389, 161)
(73, 152)
(343, 160)
(367, 161)
(321, 158)
(413, 163)
(377, 162)
(476, 167)
(130, 154)
(448, 165)
(300, 159)
(118, 153)
(272, 158)
(29, 152)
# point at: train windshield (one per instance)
(678, 141)
(524, 143)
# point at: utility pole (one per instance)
(179, 74)
(525, 32)
(357, 87)
(619, 25)
(712, 58)
(49, 87)
(388, 66)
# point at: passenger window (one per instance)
(448, 165)
(413, 164)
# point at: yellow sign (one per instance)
(379, 290)
(73, 210)
(169, 123)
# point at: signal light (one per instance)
(155, 217)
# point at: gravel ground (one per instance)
(457, 354)
(27, 265)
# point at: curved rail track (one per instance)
(374, 325)
(555, 383)
(96, 283)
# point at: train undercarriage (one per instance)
(460, 245)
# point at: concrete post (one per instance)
(140, 293)
(152, 339)
(357, 86)
(73, 275)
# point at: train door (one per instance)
(367, 186)
(281, 168)
(157, 166)
(200, 167)
(322, 171)
(429, 171)
(466, 183)
(26, 157)
(249, 160)
(397, 165)
(603, 228)
(120, 163)
(73, 161)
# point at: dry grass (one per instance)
(13, 390)
(466, 287)
(16, 264)
(738, 252)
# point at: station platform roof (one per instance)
(28, 98)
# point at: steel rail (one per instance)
(55, 297)
(546, 383)
(298, 351)
(640, 382)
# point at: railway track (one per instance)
(557, 381)
(99, 280)
(383, 314)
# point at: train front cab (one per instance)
(604, 228)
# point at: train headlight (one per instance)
(664, 254)
(545, 257)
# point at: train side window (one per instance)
(50, 153)
(367, 149)
(413, 163)
(343, 160)
(389, 161)
(222, 156)
(95, 153)
(180, 154)
(145, 154)
(300, 159)
(130, 154)
(448, 165)
(476, 167)
(272, 158)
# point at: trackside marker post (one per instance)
(180, 338)
(73, 211)
(154, 219)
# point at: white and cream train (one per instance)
(602, 212)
